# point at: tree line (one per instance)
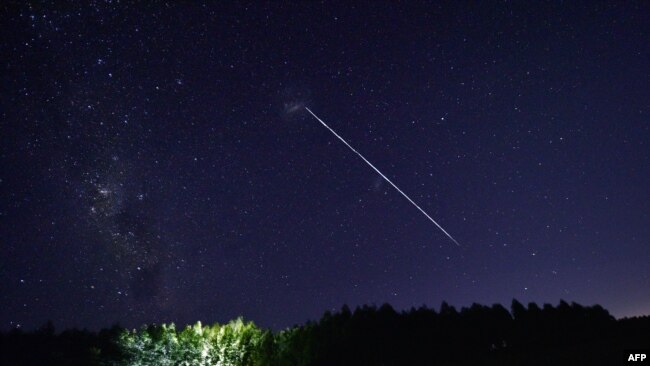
(566, 334)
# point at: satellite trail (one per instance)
(383, 176)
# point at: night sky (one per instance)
(157, 165)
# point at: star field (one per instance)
(157, 164)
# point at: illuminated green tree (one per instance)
(193, 346)
(153, 345)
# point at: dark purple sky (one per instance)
(149, 171)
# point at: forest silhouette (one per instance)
(566, 334)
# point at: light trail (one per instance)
(383, 176)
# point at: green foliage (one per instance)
(237, 343)
(381, 336)
(568, 334)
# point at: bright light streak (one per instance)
(383, 176)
